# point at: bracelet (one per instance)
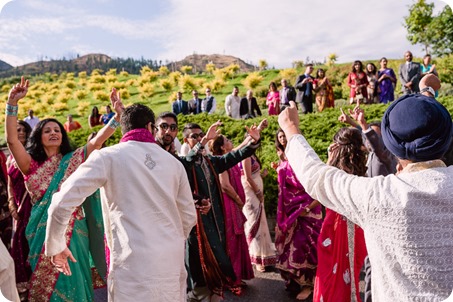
(11, 110)
(258, 192)
(113, 124)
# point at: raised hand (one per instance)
(18, 91)
(212, 131)
(253, 132)
(115, 100)
(288, 120)
(61, 261)
(263, 125)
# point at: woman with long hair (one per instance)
(372, 88)
(386, 82)
(20, 209)
(94, 119)
(323, 91)
(358, 82)
(45, 163)
(341, 244)
(299, 220)
(273, 99)
(233, 202)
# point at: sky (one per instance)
(279, 32)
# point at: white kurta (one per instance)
(407, 220)
(232, 104)
(8, 288)
(148, 213)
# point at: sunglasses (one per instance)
(196, 135)
(165, 126)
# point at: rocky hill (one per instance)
(100, 61)
(198, 62)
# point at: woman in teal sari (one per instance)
(45, 163)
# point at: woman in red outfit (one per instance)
(341, 244)
(358, 82)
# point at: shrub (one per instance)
(6, 88)
(70, 84)
(124, 74)
(82, 75)
(210, 67)
(146, 91)
(111, 78)
(111, 72)
(144, 70)
(216, 85)
(187, 83)
(97, 78)
(163, 71)
(252, 80)
(63, 98)
(124, 93)
(101, 96)
(60, 107)
(96, 72)
(186, 69)
(174, 77)
(83, 107)
(80, 94)
(289, 74)
(166, 85)
(95, 87)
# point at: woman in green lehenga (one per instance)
(46, 162)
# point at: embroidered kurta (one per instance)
(406, 220)
(148, 213)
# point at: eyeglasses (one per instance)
(165, 126)
(196, 135)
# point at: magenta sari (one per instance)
(19, 245)
(237, 248)
(295, 236)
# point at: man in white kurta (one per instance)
(407, 218)
(148, 213)
(232, 104)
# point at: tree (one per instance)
(331, 59)
(298, 64)
(417, 23)
(262, 64)
(441, 29)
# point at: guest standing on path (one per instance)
(413, 208)
(386, 82)
(409, 73)
(146, 199)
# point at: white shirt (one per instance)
(232, 104)
(31, 121)
(148, 213)
(7, 276)
(407, 221)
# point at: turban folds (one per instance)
(417, 128)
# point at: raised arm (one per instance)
(107, 131)
(23, 159)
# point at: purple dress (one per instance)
(386, 88)
(295, 236)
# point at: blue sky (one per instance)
(278, 31)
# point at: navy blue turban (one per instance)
(417, 128)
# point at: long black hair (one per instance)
(34, 144)
(27, 128)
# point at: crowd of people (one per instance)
(154, 220)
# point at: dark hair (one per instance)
(215, 145)
(27, 127)
(375, 69)
(348, 155)
(34, 143)
(317, 73)
(383, 58)
(309, 65)
(97, 114)
(272, 84)
(189, 126)
(277, 143)
(136, 116)
(357, 62)
(427, 56)
(166, 114)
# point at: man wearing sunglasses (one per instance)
(203, 170)
(166, 132)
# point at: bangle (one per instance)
(113, 124)
(11, 110)
(258, 192)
